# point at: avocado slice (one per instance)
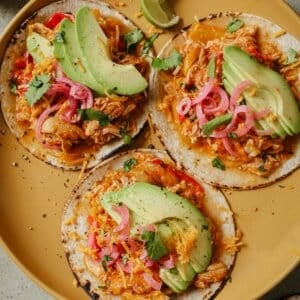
(272, 91)
(68, 54)
(256, 103)
(173, 280)
(38, 47)
(112, 76)
(150, 204)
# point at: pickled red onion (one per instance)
(207, 89)
(168, 263)
(156, 285)
(238, 90)
(227, 146)
(184, 106)
(223, 105)
(242, 130)
(92, 241)
(200, 115)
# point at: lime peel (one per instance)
(159, 13)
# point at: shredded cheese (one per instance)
(122, 276)
(84, 165)
(279, 33)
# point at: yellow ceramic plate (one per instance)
(32, 194)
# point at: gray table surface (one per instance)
(17, 286)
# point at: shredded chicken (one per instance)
(214, 273)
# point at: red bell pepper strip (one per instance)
(56, 18)
(180, 175)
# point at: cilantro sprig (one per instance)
(235, 25)
(129, 164)
(217, 163)
(292, 56)
(149, 43)
(38, 86)
(172, 61)
(132, 38)
(154, 245)
(89, 114)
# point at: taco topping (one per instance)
(69, 84)
(232, 97)
(149, 232)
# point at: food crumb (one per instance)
(120, 4)
(138, 14)
(75, 282)
(279, 33)
(14, 164)
(44, 215)
(273, 213)
(25, 157)
(2, 132)
(31, 228)
(256, 209)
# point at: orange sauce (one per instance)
(200, 32)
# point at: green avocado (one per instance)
(272, 91)
(38, 47)
(68, 54)
(150, 204)
(120, 79)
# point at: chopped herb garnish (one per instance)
(172, 61)
(261, 169)
(211, 125)
(38, 86)
(291, 56)
(105, 259)
(127, 139)
(217, 163)
(232, 135)
(124, 259)
(234, 25)
(173, 271)
(154, 245)
(129, 164)
(148, 43)
(12, 86)
(204, 227)
(89, 114)
(60, 37)
(211, 67)
(132, 38)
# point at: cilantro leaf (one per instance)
(105, 259)
(127, 139)
(154, 245)
(211, 67)
(148, 43)
(261, 168)
(235, 25)
(217, 163)
(291, 56)
(129, 164)
(38, 86)
(232, 135)
(172, 61)
(92, 114)
(12, 86)
(60, 37)
(132, 38)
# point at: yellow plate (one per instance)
(32, 194)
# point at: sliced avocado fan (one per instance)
(172, 214)
(82, 49)
(272, 92)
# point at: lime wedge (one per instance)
(159, 13)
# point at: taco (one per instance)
(64, 88)
(225, 100)
(138, 227)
